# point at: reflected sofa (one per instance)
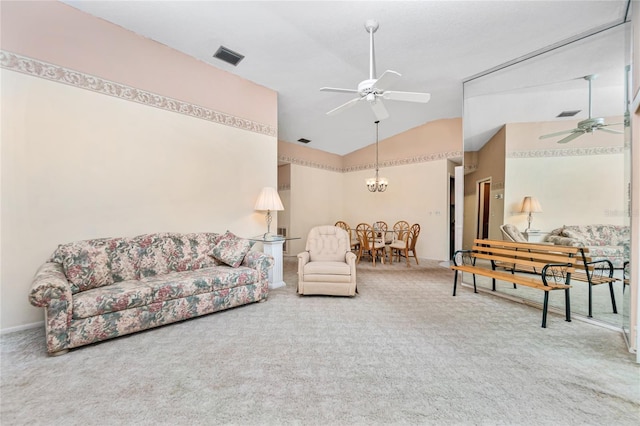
(99, 289)
(611, 242)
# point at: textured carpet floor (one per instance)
(403, 351)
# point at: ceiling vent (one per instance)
(228, 55)
(568, 113)
(303, 140)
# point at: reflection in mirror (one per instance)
(580, 179)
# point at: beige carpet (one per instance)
(403, 351)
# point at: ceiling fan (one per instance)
(373, 90)
(585, 126)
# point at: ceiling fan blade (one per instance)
(346, 105)
(571, 137)
(386, 80)
(617, 132)
(335, 89)
(551, 135)
(407, 96)
(379, 110)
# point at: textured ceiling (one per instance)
(296, 47)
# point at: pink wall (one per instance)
(59, 34)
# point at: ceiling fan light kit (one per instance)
(585, 126)
(373, 89)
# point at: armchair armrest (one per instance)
(350, 258)
(303, 259)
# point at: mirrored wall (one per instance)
(581, 184)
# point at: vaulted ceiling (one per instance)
(297, 47)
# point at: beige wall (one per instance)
(417, 164)
(417, 193)
(316, 199)
(562, 176)
(79, 164)
(488, 164)
(566, 200)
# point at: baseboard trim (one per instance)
(21, 327)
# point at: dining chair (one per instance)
(353, 242)
(369, 243)
(408, 246)
(400, 230)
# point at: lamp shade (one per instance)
(530, 205)
(269, 200)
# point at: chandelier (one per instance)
(377, 184)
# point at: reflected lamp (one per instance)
(530, 205)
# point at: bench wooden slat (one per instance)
(510, 278)
(530, 246)
(527, 255)
(519, 262)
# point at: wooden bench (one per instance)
(592, 272)
(555, 263)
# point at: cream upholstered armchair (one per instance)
(327, 266)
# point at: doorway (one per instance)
(484, 208)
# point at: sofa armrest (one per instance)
(260, 261)
(564, 241)
(52, 291)
(49, 286)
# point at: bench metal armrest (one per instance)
(556, 271)
(463, 257)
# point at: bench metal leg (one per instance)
(545, 304)
(567, 305)
(493, 284)
(455, 282)
(590, 301)
(613, 298)
(475, 290)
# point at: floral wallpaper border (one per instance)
(371, 166)
(36, 68)
(568, 152)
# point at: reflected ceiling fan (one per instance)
(585, 126)
(373, 90)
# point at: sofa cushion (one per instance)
(86, 264)
(176, 285)
(326, 268)
(231, 249)
(328, 244)
(111, 298)
(124, 257)
(199, 245)
(158, 254)
(569, 233)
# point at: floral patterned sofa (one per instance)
(612, 242)
(103, 288)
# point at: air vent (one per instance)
(303, 140)
(568, 113)
(228, 55)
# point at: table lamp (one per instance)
(268, 200)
